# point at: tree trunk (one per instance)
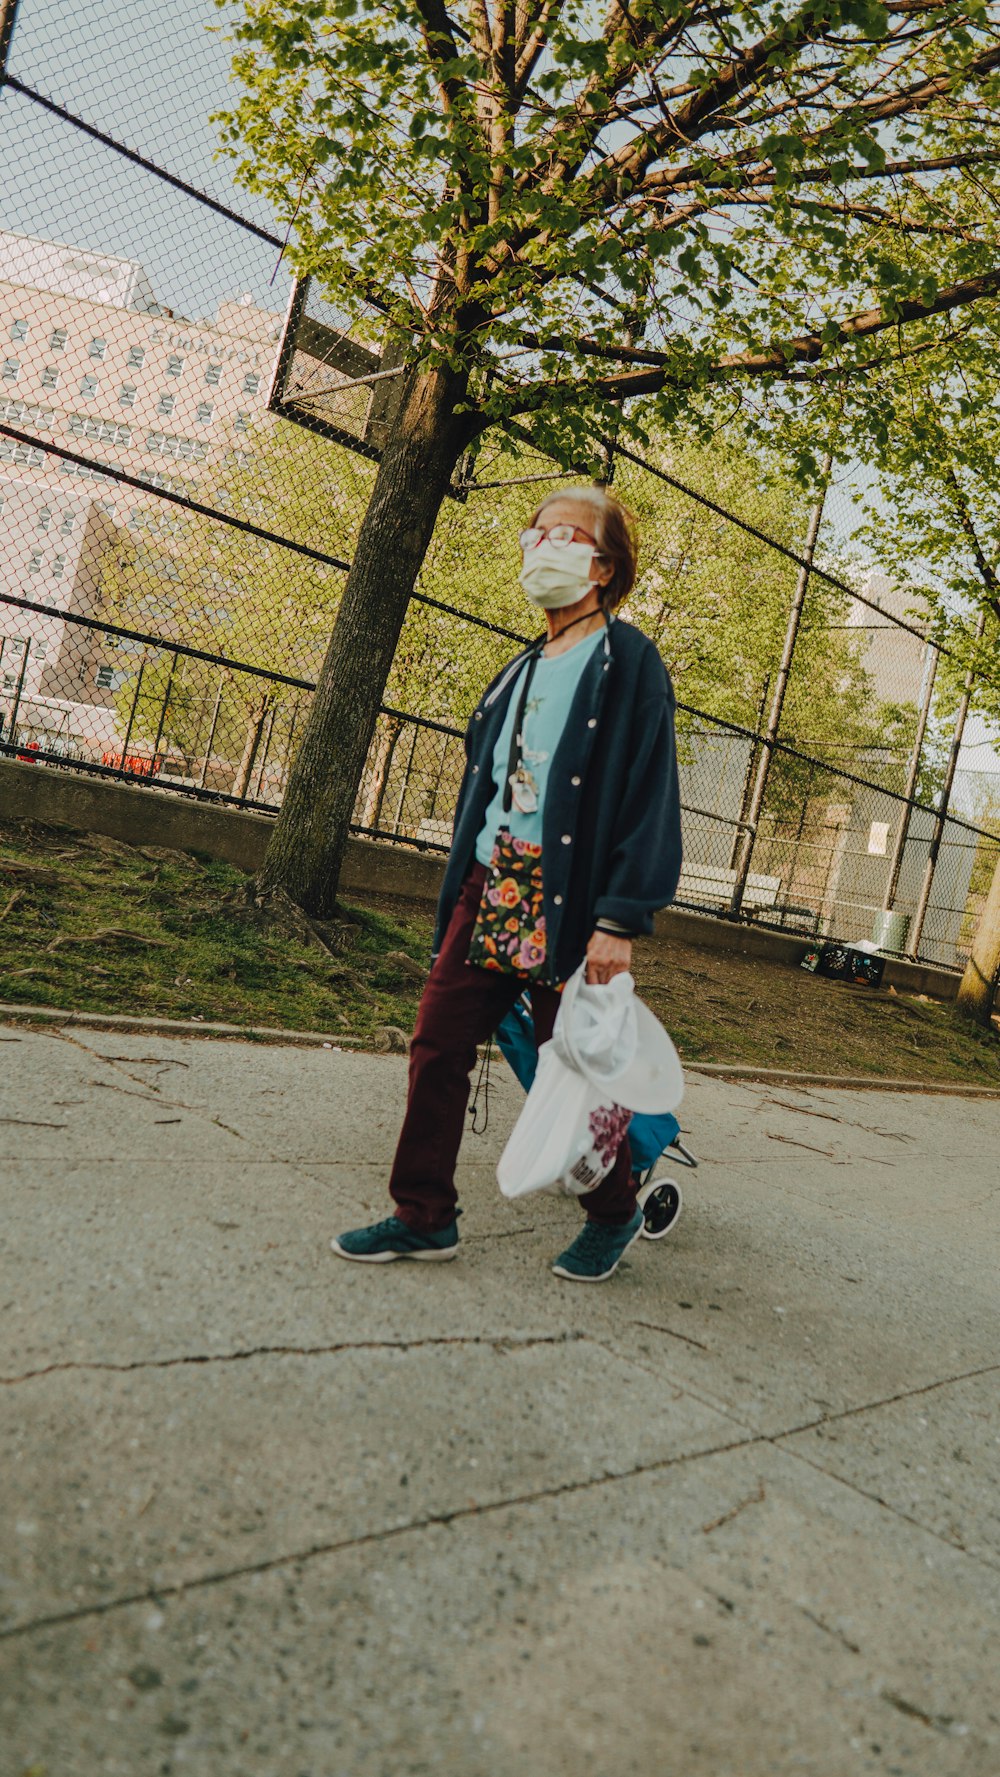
(979, 983)
(255, 727)
(371, 813)
(307, 847)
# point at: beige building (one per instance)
(895, 659)
(90, 360)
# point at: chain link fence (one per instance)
(188, 441)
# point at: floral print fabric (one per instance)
(509, 933)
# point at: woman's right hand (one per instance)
(607, 956)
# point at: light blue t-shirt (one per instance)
(552, 690)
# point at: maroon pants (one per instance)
(462, 1007)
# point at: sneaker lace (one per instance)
(391, 1225)
(591, 1240)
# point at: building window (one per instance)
(28, 454)
(44, 519)
(105, 678)
(251, 383)
(40, 650)
(19, 330)
(57, 340)
(58, 567)
(242, 422)
(213, 374)
(97, 349)
(101, 431)
(50, 377)
(9, 681)
(17, 645)
(68, 525)
(126, 395)
(35, 564)
(165, 404)
(205, 412)
(187, 449)
(136, 357)
(174, 365)
(16, 411)
(89, 387)
(11, 370)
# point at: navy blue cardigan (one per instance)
(611, 826)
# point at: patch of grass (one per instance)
(90, 924)
(722, 1006)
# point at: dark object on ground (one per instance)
(842, 962)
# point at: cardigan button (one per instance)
(567, 838)
(593, 722)
(576, 781)
(475, 768)
(557, 900)
(479, 715)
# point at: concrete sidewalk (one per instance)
(734, 1513)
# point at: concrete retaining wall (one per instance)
(142, 816)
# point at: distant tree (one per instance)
(938, 531)
(213, 586)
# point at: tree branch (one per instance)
(987, 572)
(635, 160)
(776, 361)
(682, 179)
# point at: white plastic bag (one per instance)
(573, 1121)
(566, 1137)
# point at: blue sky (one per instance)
(150, 76)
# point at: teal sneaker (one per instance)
(598, 1250)
(392, 1239)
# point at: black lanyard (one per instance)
(516, 757)
(517, 738)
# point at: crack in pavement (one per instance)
(950, 1542)
(838, 1634)
(777, 1441)
(427, 1521)
(498, 1341)
(889, 1400)
(221, 1576)
(655, 1328)
(802, 1110)
(151, 1093)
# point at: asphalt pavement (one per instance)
(266, 1514)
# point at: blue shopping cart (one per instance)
(653, 1139)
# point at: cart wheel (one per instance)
(660, 1202)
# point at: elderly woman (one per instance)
(566, 841)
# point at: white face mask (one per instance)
(554, 577)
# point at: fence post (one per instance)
(15, 706)
(163, 715)
(213, 725)
(752, 819)
(132, 712)
(267, 748)
(749, 776)
(405, 786)
(917, 928)
(8, 17)
(899, 849)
